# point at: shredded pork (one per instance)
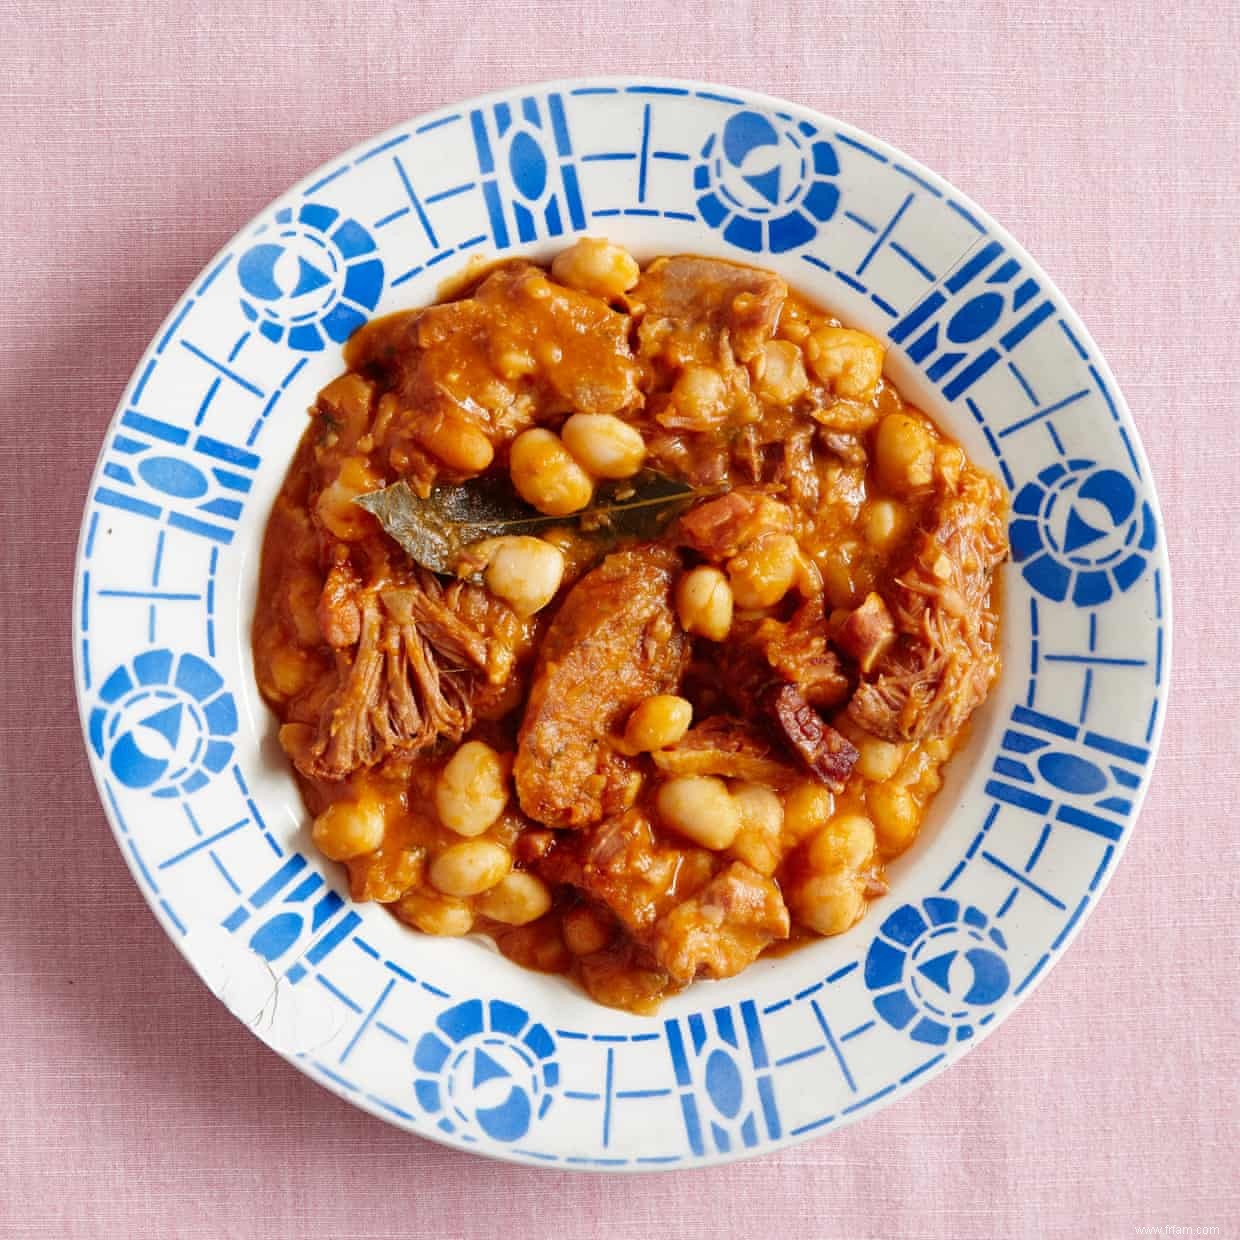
(944, 659)
(411, 676)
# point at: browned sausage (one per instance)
(613, 643)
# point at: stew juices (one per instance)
(637, 740)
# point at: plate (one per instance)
(445, 1037)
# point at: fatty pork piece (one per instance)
(730, 748)
(942, 660)
(704, 310)
(778, 675)
(467, 375)
(520, 333)
(696, 914)
(412, 659)
(613, 643)
(799, 651)
(718, 528)
(723, 928)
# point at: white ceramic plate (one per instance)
(445, 1037)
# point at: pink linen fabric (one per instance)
(137, 138)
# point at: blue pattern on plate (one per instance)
(953, 298)
(311, 279)
(767, 184)
(486, 1067)
(1081, 532)
(164, 723)
(935, 968)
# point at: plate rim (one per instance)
(1008, 1005)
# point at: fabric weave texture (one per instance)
(138, 139)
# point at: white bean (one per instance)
(596, 266)
(348, 829)
(704, 603)
(517, 899)
(470, 867)
(657, 722)
(545, 474)
(700, 808)
(472, 789)
(525, 572)
(604, 445)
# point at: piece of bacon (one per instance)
(826, 753)
(868, 633)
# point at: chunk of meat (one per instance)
(613, 643)
(867, 633)
(706, 310)
(339, 617)
(571, 346)
(846, 447)
(728, 747)
(745, 674)
(944, 659)
(513, 335)
(701, 460)
(693, 918)
(761, 654)
(410, 678)
(826, 754)
(800, 652)
(623, 864)
(761, 691)
(723, 928)
(798, 471)
(625, 977)
(719, 528)
(521, 349)
(749, 453)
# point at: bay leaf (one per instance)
(436, 530)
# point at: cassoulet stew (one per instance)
(625, 615)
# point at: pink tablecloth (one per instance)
(137, 138)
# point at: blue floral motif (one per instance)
(934, 969)
(767, 184)
(488, 1067)
(164, 723)
(312, 278)
(1080, 533)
